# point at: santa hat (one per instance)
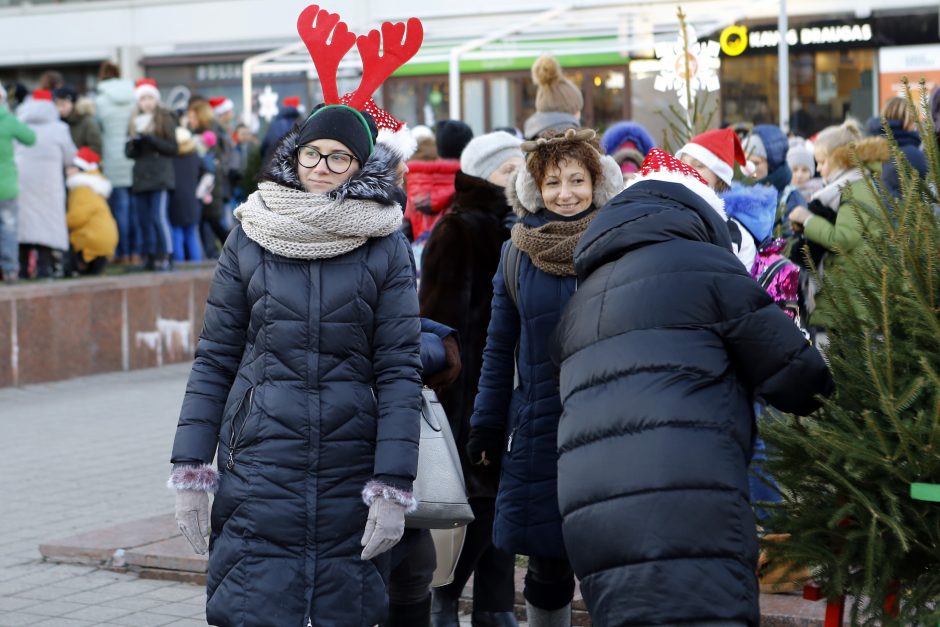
(146, 86)
(659, 165)
(291, 101)
(221, 104)
(718, 150)
(42, 94)
(86, 159)
(392, 132)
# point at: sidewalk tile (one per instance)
(53, 608)
(97, 613)
(143, 619)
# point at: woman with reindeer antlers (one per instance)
(306, 381)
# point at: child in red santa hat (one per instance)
(713, 154)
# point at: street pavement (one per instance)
(76, 456)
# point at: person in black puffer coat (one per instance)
(516, 412)
(307, 387)
(664, 348)
(460, 258)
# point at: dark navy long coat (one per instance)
(307, 385)
(665, 347)
(527, 518)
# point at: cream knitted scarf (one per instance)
(302, 225)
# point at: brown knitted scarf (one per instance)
(551, 246)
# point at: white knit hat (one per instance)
(484, 154)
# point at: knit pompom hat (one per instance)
(486, 153)
(555, 92)
(660, 166)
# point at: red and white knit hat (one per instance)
(221, 104)
(718, 150)
(659, 165)
(146, 86)
(392, 132)
(86, 159)
(42, 94)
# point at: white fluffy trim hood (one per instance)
(98, 184)
(524, 195)
(703, 191)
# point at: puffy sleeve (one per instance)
(218, 355)
(771, 354)
(397, 367)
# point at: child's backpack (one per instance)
(780, 278)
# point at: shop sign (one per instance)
(811, 36)
(914, 62)
(218, 71)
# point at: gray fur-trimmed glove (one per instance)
(193, 485)
(386, 523)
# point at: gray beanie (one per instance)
(484, 154)
(754, 145)
(801, 155)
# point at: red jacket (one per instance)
(430, 193)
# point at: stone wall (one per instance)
(64, 329)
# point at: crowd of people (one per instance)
(603, 322)
(115, 177)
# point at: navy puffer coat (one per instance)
(665, 347)
(307, 385)
(527, 518)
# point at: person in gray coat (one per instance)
(114, 106)
(307, 387)
(41, 167)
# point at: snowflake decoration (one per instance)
(267, 104)
(703, 66)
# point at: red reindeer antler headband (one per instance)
(398, 43)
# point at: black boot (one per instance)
(444, 610)
(493, 619)
(411, 615)
(150, 262)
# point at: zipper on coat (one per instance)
(512, 434)
(236, 436)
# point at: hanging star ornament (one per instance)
(267, 104)
(701, 71)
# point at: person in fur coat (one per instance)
(93, 232)
(517, 407)
(460, 258)
(663, 350)
(838, 214)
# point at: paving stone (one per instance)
(98, 546)
(181, 610)
(66, 622)
(53, 608)
(19, 619)
(135, 603)
(187, 623)
(97, 613)
(144, 619)
(175, 594)
(174, 554)
(11, 604)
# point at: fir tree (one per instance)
(845, 473)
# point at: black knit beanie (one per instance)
(452, 137)
(354, 129)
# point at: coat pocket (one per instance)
(239, 419)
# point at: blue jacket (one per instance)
(527, 518)
(306, 385)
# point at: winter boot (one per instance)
(149, 263)
(410, 615)
(538, 617)
(444, 610)
(493, 619)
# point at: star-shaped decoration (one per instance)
(267, 104)
(703, 64)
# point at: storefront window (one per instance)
(609, 97)
(474, 105)
(825, 87)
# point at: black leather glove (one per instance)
(451, 371)
(485, 445)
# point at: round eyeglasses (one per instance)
(336, 162)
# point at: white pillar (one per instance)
(128, 59)
(783, 63)
(454, 89)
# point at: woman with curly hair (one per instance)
(515, 418)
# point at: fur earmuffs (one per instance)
(524, 196)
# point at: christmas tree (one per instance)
(846, 472)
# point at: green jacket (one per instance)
(11, 129)
(85, 131)
(842, 239)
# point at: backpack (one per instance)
(780, 278)
(510, 260)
